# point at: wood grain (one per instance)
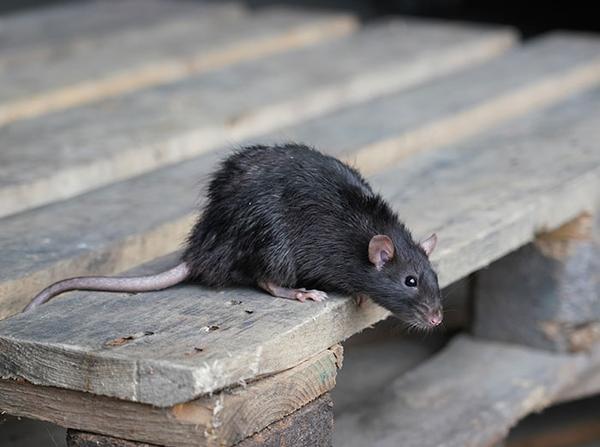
(97, 144)
(221, 419)
(39, 245)
(311, 425)
(482, 205)
(209, 37)
(458, 106)
(469, 395)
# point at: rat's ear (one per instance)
(428, 245)
(381, 250)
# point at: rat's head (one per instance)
(406, 284)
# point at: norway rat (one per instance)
(296, 223)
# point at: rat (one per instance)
(296, 223)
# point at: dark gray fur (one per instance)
(290, 215)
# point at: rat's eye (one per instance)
(410, 281)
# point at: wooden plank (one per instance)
(556, 305)
(207, 38)
(118, 138)
(40, 247)
(311, 425)
(47, 28)
(527, 192)
(460, 105)
(468, 395)
(588, 385)
(221, 419)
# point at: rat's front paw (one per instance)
(315, 295)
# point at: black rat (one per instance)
(296, 223)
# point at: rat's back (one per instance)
(280, 213)
(292, 170)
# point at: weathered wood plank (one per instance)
(310, 426)
(459, 105)
(47, 28)
(556, 304)
(222, 419)
(441, 191)
(100, 143)
(40, 247)
(468, 395)
(206, 38)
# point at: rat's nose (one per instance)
(435, 317)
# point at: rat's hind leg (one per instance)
(292, 294)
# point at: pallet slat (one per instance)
(309, 426)
(98, 144)
(49, 28)
(501, 168)
(468, 395)
(222, 419)
(460, 105)
(207, 38)
(40, 245)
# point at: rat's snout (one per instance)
(435, 316)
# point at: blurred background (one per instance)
(530, 18)
(26, 50)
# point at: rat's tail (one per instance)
(169, 278)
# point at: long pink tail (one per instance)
(147, 283)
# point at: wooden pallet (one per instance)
(393, 127)
(115, 138)
(458, 139)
